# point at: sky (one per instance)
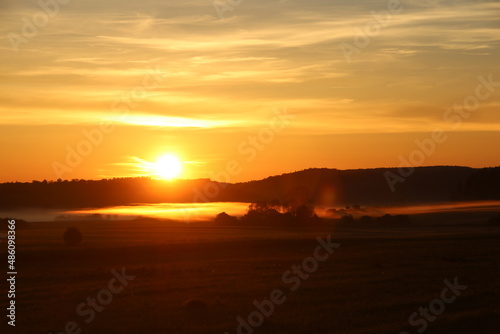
(241, 90)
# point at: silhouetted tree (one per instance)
(275, 213)
(261, 213)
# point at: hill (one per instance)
(328, 187)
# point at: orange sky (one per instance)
(124, 82)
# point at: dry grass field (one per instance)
(199, 279)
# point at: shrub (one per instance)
(225, 219)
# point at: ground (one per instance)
(373, 282)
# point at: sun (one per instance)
(168, 167)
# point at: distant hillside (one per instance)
(327, 187)
(361, 186)
(370, 187)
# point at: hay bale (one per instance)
(72, 236)
(195, 304)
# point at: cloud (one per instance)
(223, 73)
(166, 121)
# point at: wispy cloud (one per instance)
(225, 76)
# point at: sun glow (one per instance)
(168, 167)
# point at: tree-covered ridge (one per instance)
(327, 187)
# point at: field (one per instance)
(199, 279)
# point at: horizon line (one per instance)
(270, 176)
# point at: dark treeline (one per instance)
(273, 213)
(330, 187)
(327, 187)
(101, 193)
